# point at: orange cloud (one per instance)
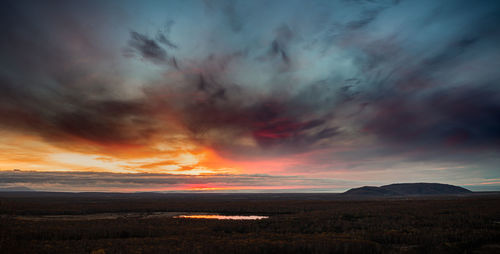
(33, 153)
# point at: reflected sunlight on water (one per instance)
(222, 217)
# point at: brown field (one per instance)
(298, 223)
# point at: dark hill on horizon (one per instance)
(408, 189)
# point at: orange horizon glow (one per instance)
(181, 158)
(212, 188)
(31, 153)
(34, 154)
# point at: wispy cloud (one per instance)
(123, 182)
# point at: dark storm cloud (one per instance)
(101, 121)
(269, 122)
(161, 38)
(107, 122)
(150, 49)
(280, 121)
(454, 117)
(279, 46)
(421, 103)
(407, 75)
(147, 47)
(207, 103)
(49, 88)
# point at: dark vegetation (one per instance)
(298, 223)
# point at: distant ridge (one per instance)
(408, 189)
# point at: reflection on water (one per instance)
(222, 217)
(136, 215)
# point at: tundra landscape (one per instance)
(281, 223)
(249, 126)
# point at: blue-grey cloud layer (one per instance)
(102, 181)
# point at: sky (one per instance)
(249, 96)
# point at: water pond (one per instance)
(221, 217)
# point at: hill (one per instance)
(408, 189)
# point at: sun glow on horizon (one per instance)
(33, 154)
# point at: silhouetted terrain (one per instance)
(409, 189)
(44, 222)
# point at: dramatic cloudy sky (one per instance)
(284, 95)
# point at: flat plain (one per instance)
(41, 222)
